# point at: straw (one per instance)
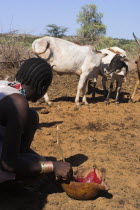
(58, 142)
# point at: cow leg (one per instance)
(81, 84)
(117, 83)
(84, 100)
(109, 91)
(118, 89)
(46, 97)
(104, 80)
(89, 87)
(94, 85)
(135, 88)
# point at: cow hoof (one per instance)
(130, 100)
(77, 108)
(86, 103)
(49, 103)
(117, 103)
(107, 102)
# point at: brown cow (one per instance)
(138, 70)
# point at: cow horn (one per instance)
(138, 42)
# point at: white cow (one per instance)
(69, 58)
(118, 75)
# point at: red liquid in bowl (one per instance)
(91, 177)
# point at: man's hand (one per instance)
(63, 169)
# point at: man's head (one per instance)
(35, 75)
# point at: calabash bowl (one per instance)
(82, 190)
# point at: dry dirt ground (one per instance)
(108, 136)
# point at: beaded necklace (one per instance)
(18, 86)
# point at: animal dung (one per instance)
(86, 184)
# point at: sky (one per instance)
(121, 17)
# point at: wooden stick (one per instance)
(58, 142)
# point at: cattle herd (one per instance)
(70, 58)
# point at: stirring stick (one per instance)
(58, 142)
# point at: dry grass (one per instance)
(12, 52)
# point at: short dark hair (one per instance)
(36, 73)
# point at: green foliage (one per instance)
(56, 31)
(128, 45)
(20, 38)
(105, 42)
(91, 24)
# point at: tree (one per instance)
(91, 24)
(56, 31)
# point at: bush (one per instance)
(14, 49)
(128, 45)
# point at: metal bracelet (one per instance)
(46, 167)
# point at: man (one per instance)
(18, 123)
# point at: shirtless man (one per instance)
(18, 124)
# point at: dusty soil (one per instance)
(107, 136)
